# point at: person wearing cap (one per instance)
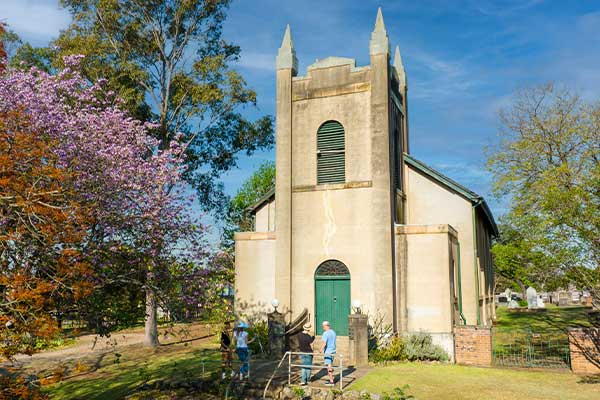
(305, 340)
(241, 347)
(329, 346)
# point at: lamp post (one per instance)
(356, 304)
(275, 304)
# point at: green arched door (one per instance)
(332, 296)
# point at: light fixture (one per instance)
(275, 303)
(356, 306)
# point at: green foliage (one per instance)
(547, 164)
(398, 394)
(520, 263)
(522, 303)
(256, 186)
(259, 331)
(169, 63)
(411, 347)
(394, 351)
(419, 346)
(299, 393)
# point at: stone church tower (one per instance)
(342, 223)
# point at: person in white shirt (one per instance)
(241, 347)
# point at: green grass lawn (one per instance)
(116, 380)
(446, 381)
(535, 339)
(554, 318)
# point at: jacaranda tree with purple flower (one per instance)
(140, 227)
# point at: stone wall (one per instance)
(584, 345)
(473, 345)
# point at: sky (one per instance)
(464, 59)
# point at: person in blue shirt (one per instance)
(328, 348)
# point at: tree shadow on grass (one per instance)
(590, 380)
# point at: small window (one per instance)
(331, 158)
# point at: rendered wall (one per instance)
(337, 221)
(264, 218)
(254, 273)
(429, 299)
(427, 202)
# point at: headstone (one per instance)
(540, 302)
(532, 297)
(563, 299)
(513, 304)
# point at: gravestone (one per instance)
(563, 299)
(513, 304)
(532, 298)
(540, 302)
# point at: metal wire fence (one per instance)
(529, 349)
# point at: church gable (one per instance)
(455, 187)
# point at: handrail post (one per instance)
(249, 355)
(289, 367)
(341, 371)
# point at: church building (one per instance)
(356, 220)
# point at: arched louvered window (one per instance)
(331, 160)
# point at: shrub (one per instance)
(523, 303)
(380, 332)
(394, 351)
(259, 331)
(420, 346)
(398, 394)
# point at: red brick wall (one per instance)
(582, 343)
(473, 345)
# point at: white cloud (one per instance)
(258, 61)
(504, 7)
(36, 21)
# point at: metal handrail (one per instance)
(288, 354)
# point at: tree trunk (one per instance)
(150, 325)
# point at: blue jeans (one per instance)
(242, 353)
(306, 360)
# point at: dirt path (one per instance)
(92, 349)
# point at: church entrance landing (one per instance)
(332, 296)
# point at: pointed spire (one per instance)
(379, 24)
(399, 67)
(287, 43)
(286, 57)
(379, 40)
